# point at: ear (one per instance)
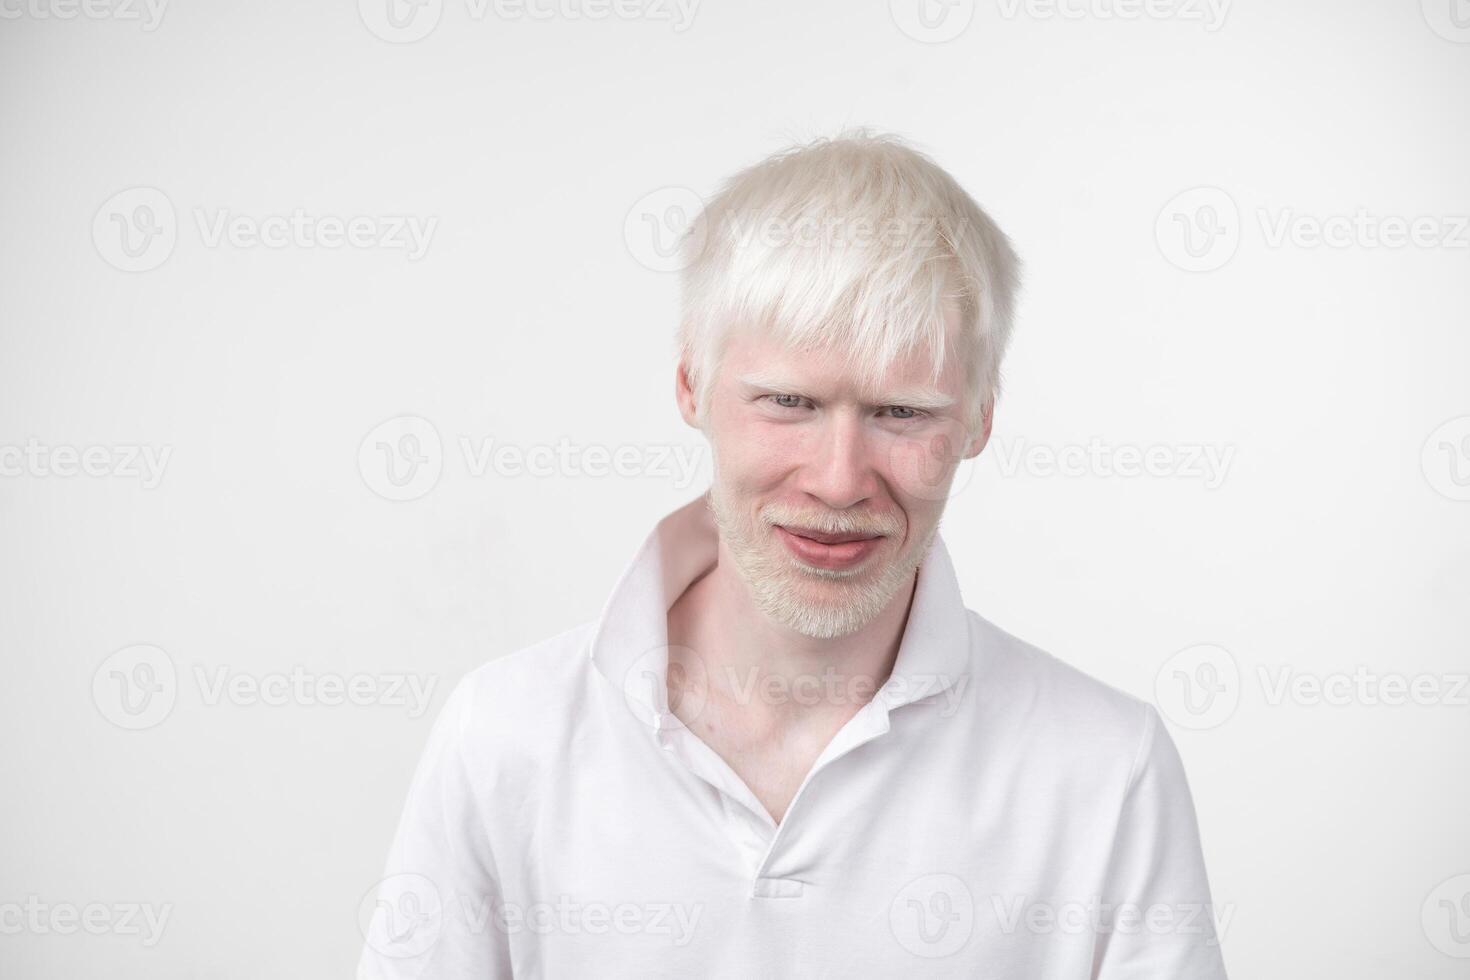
(987, 417)
(685, 396)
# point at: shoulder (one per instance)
(522, 704)
(1045, 701)
(533, 678)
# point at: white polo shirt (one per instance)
(991, 813)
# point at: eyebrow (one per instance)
(924, 398)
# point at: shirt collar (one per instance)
(630, 643)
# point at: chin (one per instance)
(817, 602)
(825, 604)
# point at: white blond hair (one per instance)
(857, 245)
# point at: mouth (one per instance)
(834, 552)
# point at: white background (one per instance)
(1338, 538)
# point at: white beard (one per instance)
(778, 582)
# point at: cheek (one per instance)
(921, 467)
(754, 453)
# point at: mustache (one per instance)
(831, 521)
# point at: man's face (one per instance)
(827, 492)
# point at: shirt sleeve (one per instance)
(432, 916)
(1160, 920)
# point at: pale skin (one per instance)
(801, 429)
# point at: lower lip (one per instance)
(830, 556)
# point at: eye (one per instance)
(902, 413)
(786, 401)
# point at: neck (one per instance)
(772, 672)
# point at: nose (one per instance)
(840, 471)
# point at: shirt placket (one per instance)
(747, 823)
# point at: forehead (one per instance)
(761, 359)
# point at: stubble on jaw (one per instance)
(776, 581)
